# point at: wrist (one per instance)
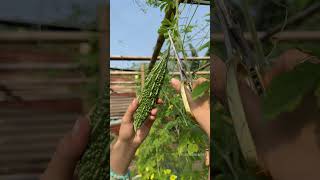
(127, 145)
(203, 119)
(122, 153)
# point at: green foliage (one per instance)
(229, 164)
(287, 90)
(200, 90)
(195, 64)
(204, 46)
(175, 143)
(175, 146)
(228, 161)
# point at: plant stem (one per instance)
(255, 40)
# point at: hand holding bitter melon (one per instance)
(124, 148)
(68, 152)
(150, 91)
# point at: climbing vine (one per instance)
(175, 147)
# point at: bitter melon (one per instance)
(150, 91)
(93, 164)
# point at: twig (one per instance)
(256, 42)
(281, 30)
(200, 68)
(292, 20)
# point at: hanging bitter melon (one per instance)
(93, 164)
(150, 91)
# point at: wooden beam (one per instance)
(51, 81)
(137, 73)
(52, 36)
(58, 105)
(148, 58)
(282, 36)
(122, 82)
(27, 54)
(38, 66)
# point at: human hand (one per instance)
(68, 152)
(284, 140)
(128, 141)
(199, 107)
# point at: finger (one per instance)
(130, 111)
(199, 81)
(154, 111)
(152, 117)
(159, 101)
(144, 130)
(68, 152)
(175, 83)
(285, 62)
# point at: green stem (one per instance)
(255, 40)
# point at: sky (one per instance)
(134, 26)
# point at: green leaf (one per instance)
(287, 90)
(200, 90)
(205, 45)
(192, 148)
(163, 6)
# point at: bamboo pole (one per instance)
(138, 73)
(147, 58)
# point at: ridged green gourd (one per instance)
(93, 164)
(150, 91)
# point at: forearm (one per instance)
(121, 156)
(202, 115)
(204, 123)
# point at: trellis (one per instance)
(152, 59)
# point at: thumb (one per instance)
(127, 118)
(175, 83)
(68, 152)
